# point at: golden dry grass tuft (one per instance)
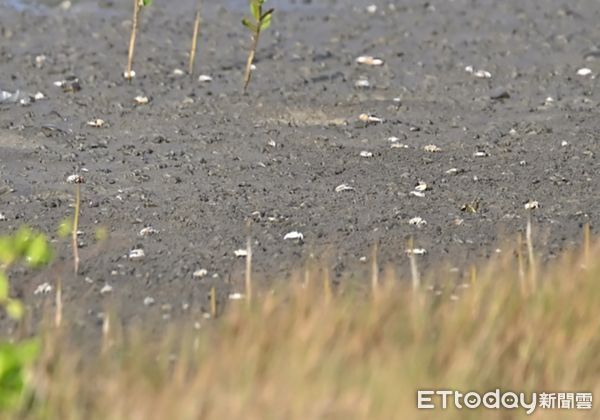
(298, 354)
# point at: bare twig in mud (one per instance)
(137, 5)
(414, 270)
(58, 314)
(532, 268)
(586, 245)
(261, 22)
(77, 180)
(248, 274)
(375, 272)
(194, 42)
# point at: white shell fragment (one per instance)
(369, 118)
(294, 235)
(416, 193)
(369, 60)
(43, 289)
(481, 154)
(416, 251)
(141, 100)
(398, 146)
(417, 221)
(236, 296)
(482, 74)
(106, 289)
(452, 171)
(148, 301)
(584, 71)
(202, 272)
(421, 186)
(240, 253)
(75, 179)
(97, 123)
(532, 205)
(564, 143)
(343, 187)
(129, 75)
(2, 217)
(362, 83)
(39, 96)
(147, 231)
(178, 72)
(366, 154)
(204, 78)
(372, 8)
(136, 254)
(432, 148)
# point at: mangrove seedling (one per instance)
(262, 20)
(137, 5)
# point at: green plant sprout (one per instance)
(137, 5)
(262, 20)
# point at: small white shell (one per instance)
(366, 154)
(75, 179)
(532, 205)
(399, 146)
(204, 78)
(236, 296)
(294, 235)
(421, 186)
(417, 193)
(107, 288)
(129, 75)
(369, 118)
(148, 230)
(416, 251)
(372, 9)
(482, 74)
(136, 254)
(481, 154)
(141, 100)
(362, 83)
(148, 301)
(432, 148)
(417, 221)
(98, 122)
(584, 71)
(39, 96)
(240, 253)
(369, 60)
(202, 272)
(178, 72)
(343, 187)
(43, 289)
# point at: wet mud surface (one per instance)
(201, 159)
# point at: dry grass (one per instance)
(305, 353)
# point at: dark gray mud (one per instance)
(200, 159)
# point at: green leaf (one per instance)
(255, 9)
(266, 20)
(39, 252)
(15, 359)
(147, 2)
(248, 25)
(3, 287)
(7, 250)
(15, 309)
(21, 240)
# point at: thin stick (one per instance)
(134, 27)
(375, 272)
(194, 43)
(249, 269)
(414, 270)
(532, 268)
(586, 244)
(76, 228)
(58, 302)
(248, 72)
(105, 332)
(521, 263)
(213, 302)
